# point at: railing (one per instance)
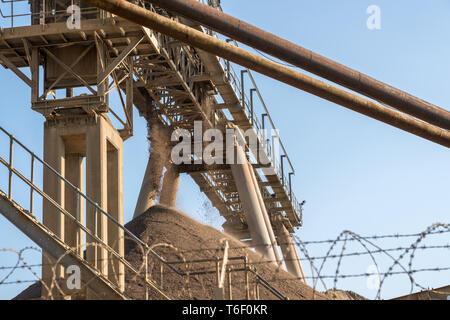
(48, 12)
(248, 106)
(246, 268)
(34, 190)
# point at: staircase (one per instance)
(100, 286)
(59, 251)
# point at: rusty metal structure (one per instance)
(274, 70)
(169, 78)
(74, 70)
(306, 59)
(176, 72)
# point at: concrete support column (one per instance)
(54, 155)
(74, 173)
(291, 258)
(265, 215)
(149, 187)
(96, 189)
(250, 203)
(116, 269)
(151, 183)
(104, 185)
(170, 186)
(67, 141)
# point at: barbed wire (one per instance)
(198, 276)
(328, 241)
(18, 282)
(331, 256)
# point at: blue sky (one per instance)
(354, 172)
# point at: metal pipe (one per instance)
(256, 289)
(184, 261)
(10, 178)
(228, 62)
(252, 116)
(78, 217)
(263, 116)
(282, 169)
(307, 60)
(32, 182)
(264, 128)
(268, 286)
(290, 185)
(243, 88)
(161, 270)
(230, 288)
(272, 69)
(145, 258)
(217, 272)
(247, 287)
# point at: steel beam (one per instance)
(123, 55)
(14, 69)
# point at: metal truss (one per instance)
(157, 75)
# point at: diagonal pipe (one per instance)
(307, 60)
(272, 69)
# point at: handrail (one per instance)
(229, 69)
(268, 286)
(12, 170)
(234, 78)
(236, 84)
(11, 1)
(77, 190)
(44, 14)
(147, 249)
(219, 7)
(247, 268)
